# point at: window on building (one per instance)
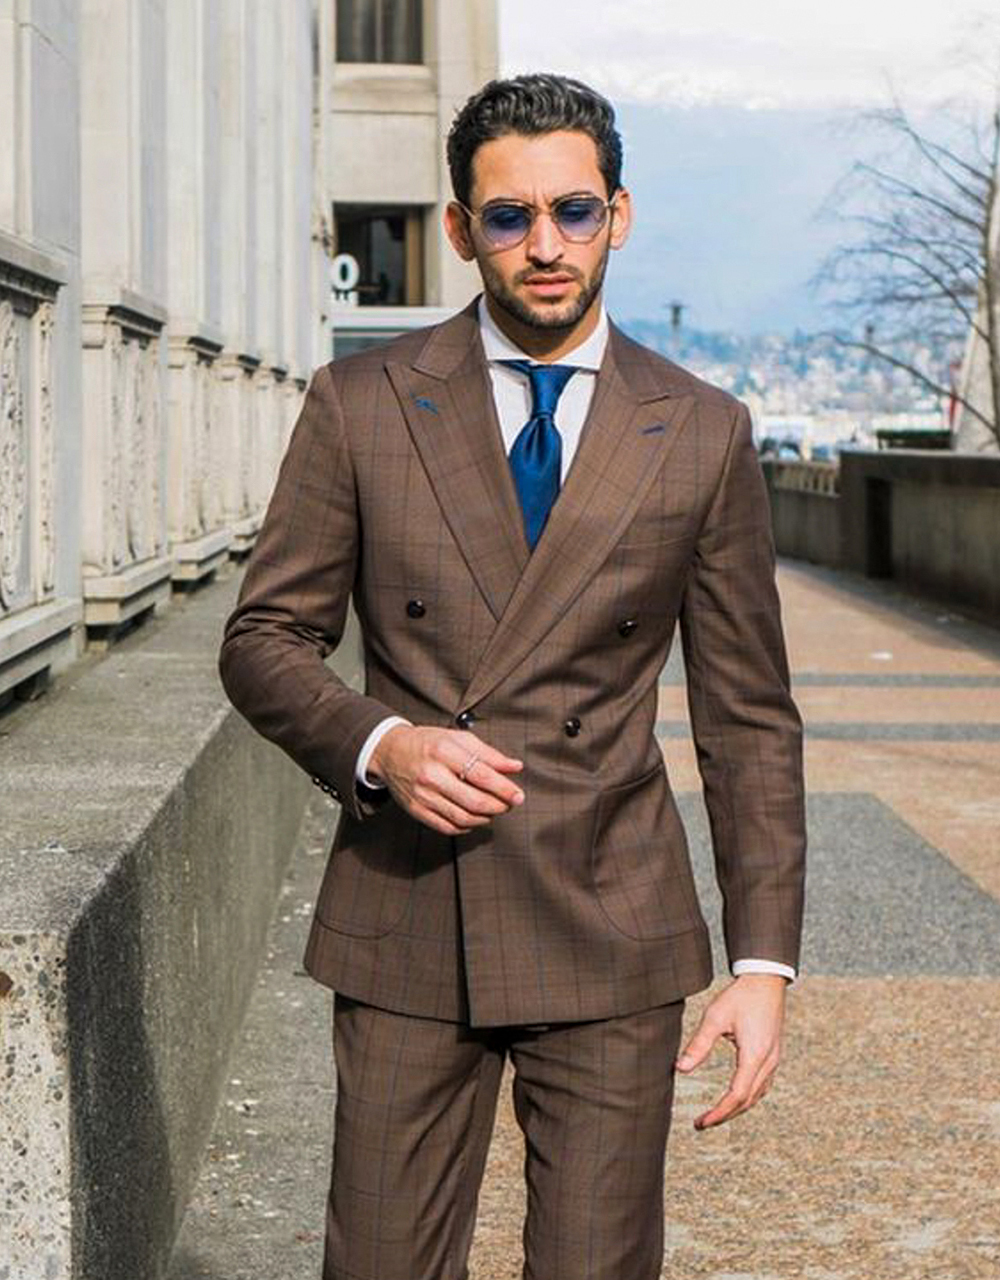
(387, 245)
(379, 31)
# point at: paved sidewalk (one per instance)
(876, 1156)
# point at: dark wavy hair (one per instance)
(529, 105)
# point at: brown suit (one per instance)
(578, 906)
(580, 903)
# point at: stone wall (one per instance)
(930, 520)
(145, 832)
(805, 511)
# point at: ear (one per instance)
(456, 225)
(621, 218)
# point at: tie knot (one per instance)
(547, 382)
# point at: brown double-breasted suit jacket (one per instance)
(580, 903)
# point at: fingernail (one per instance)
(518, 797)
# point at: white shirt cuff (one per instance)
(369, 745)
(764, 966)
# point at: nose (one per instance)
(544, 243)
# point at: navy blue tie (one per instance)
(536, 454)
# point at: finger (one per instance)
(484, 779)
(764, 1079)
(734, 1100)
(474, 799)
(431, 819)
(458, 819)
(485, 772)
(699, 1046)
(460, 744)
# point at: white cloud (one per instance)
(772, 53)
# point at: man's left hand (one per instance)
(750, 1012)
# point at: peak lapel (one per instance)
(629, 430)
(447, 401)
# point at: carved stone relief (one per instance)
(114, 469)
(27, 439)
(124, 437)
(13, 458)
(44, 324)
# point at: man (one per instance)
(523, 503)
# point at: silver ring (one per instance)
(466, 767)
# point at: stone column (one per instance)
(198, 533)
(126, 562)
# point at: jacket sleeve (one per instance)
(747, 730)
(293, 604)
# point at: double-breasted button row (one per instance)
(467, 718)
(326, 787)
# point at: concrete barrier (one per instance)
(926, 519)
(805, 510)
(929, 520)
(144, 832)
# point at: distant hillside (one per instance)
(726, 202)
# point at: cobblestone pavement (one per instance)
(876, 1156)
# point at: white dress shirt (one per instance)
(512, 396)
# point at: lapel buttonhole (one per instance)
(648, 431)
(423, 403)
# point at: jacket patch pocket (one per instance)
(369, 876)
(639, 859)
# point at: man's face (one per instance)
(546, 281)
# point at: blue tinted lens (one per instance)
(505, 222)
(579, 216)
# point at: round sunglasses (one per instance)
(505, 223)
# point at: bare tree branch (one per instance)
(921, 266)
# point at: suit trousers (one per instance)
(416, 1100)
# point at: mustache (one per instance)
(539, 273)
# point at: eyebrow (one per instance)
(528, 204)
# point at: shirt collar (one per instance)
(497, 346)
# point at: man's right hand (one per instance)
(446, 778)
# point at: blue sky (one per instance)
(735, 118)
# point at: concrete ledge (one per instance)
(199, 559)
(144, 834)
(44, 637)
(245, 535)
(113, 599)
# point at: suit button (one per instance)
(572, 727)
(416, 608)
(627, 626)
(465, 719)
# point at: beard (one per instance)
(553, 317)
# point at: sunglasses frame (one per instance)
(608, 206)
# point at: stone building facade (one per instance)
(160, 293)
(173, 181)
